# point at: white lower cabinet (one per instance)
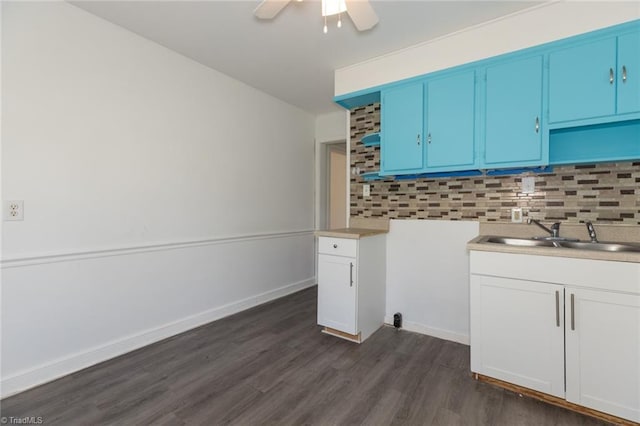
(337, 292)
(351, 285)
(518, 332)
(566, 327)
(603, 351)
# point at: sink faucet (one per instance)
(592, 231)
(554, 231)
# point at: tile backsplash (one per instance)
(604, 193)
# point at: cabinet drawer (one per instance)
(337, 246)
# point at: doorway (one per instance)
(337, 194)
(332, 188)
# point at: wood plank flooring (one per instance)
(271, 365)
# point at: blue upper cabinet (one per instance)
(582, 81)
(401, 141)
(513, 134)
(595, 81)
(570, 101)
(629, 73)
(450, 123)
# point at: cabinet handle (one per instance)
(429, 138)
(350, 274)
(573, 313)
(610, 75)
(537, 124)
(418, 139)
(557, 308)
(335, 246)
(624, 73)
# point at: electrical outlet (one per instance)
(516, 215)
(14, 210)
(366, 190)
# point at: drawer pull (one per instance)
(335, 246)
(624, 74)
(537, 124)
(610, 75)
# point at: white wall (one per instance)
(332, 127)
(531, 27)
(159, 194)
(428, 276)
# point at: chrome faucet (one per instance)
(554, 231)
(592, 231)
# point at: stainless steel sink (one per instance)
(615, 247)
(580, 245)
(522, 242)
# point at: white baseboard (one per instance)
(67, 365)
(430, 331)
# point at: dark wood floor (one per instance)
(271, 365)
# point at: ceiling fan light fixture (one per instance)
(333, 7)
(360, 11)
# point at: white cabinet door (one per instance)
(603, 351)
(337, 283)
(517, 332)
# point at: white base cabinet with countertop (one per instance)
(351, 285)
(538, 320)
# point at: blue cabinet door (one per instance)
(401, 141)
(629, 73)
(450, 123)
(513, 126)
(582, 81)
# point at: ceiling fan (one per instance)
(360, 11)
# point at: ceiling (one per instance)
(290, 57)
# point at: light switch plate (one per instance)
(528, 185)
(366, 190)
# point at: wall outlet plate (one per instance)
(14, 210)
(366, 190)
(516, 215)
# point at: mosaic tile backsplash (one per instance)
(604, 193)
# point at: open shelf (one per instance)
(372, 139)
(371, 176)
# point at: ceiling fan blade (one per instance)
(362, 14)
(268, 9)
